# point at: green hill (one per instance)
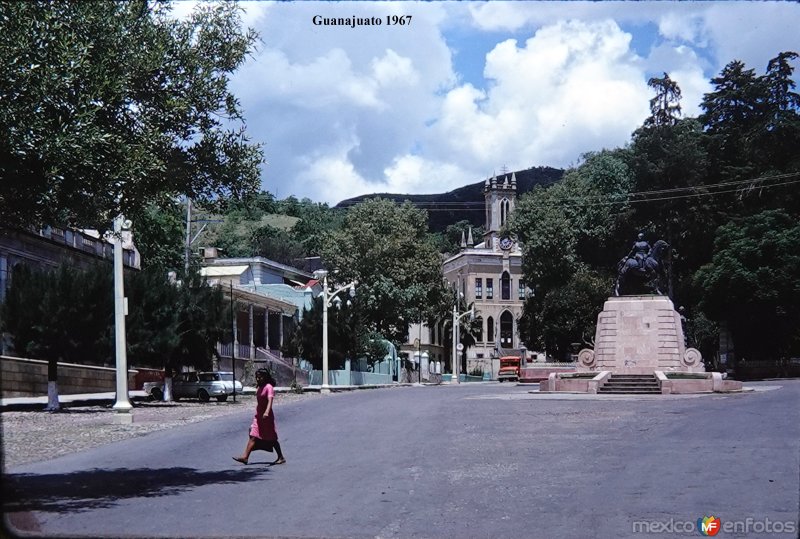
(464, 203)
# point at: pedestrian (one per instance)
(263, 435)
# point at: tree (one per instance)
(160, 236)
(779, 136)
(665, 107)
(751, 283)
(573, 222)
(663, 159)
(60, 315)
(553, 321)
(348, 336)
(152, 321)
(277, 245)
(385, 247)
(202, 319)
(67, 315)
(106, 107)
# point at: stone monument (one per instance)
(639, 341)
(639, 335)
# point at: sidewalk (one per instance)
(102, 399)
(79, 399)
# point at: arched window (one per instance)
(505, 286)
(506, 330)
(504, 206)
(479, 331)
(490, 329)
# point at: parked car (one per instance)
(200, 385)
(509, 368)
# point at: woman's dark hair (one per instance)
(267, 376)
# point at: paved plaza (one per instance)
(476, 460)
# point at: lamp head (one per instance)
(320, 274)
(352, 291)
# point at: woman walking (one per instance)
(263, 435)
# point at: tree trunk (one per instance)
(52, 386)
(167, 389)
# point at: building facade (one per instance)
(269, 296)
(48, 247)
(488, 274)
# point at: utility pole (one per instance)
(233, 343)
(188, 247)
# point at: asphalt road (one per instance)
(472, 461)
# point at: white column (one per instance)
(250, 328)
(325, 387)
(122, 405)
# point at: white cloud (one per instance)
(689, 27)
(571, 88)
(347, 111)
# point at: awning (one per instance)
(220, 271)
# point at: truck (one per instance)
(509, 368)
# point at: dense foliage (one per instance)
(386, 248)
(106, 107)
(68, 315)
(720, 189)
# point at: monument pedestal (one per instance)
(639, 335)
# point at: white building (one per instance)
(490, 275)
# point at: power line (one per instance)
(646, 196)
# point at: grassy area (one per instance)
(686, 375)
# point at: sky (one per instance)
(468, 89)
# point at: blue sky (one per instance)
(470, 87)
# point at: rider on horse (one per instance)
(640, 250)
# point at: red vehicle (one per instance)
(509, 368)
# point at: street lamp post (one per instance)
(122, 405)
(327, 298)
(456, 319)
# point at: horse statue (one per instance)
(643, 270)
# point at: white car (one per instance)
(200, 385)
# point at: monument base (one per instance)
(639, 335)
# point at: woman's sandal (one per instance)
(279, 461)
(240, 459)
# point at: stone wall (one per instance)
(21, 377)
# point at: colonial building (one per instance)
(490, 275)
(269, 296)
(48, 247)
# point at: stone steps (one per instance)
(631, 384)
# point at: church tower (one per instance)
(501, 198)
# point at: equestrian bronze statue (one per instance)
(643, 271)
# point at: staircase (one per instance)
(631, 384)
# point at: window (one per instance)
(504, 207)
(521, 289)
(489, 288)
(507, 330)
(479, 329)
(505, 286)
(478, 288)
(490, 329)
